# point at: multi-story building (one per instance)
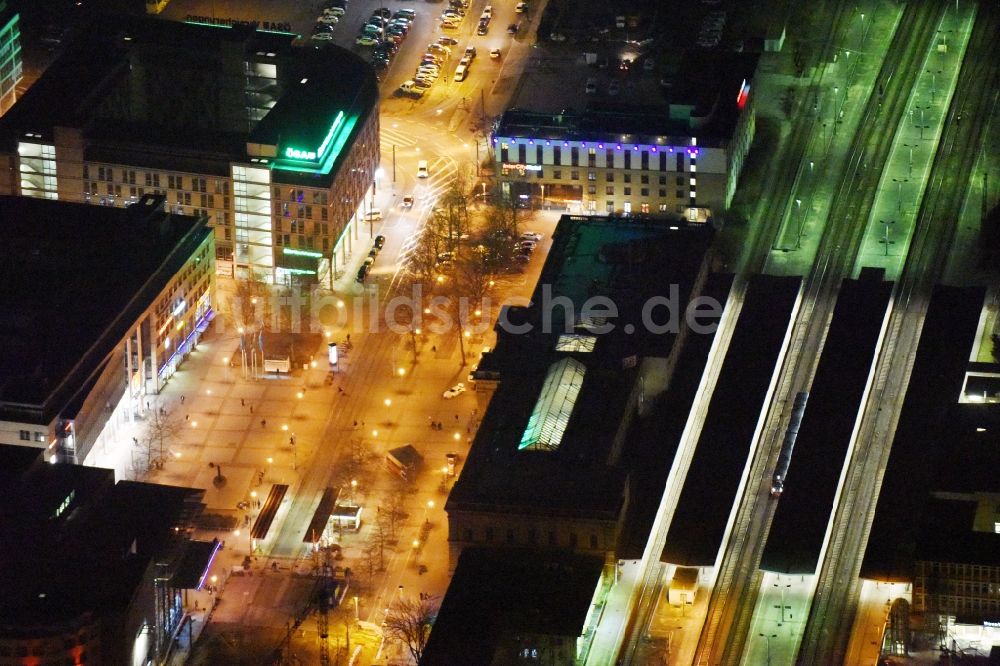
(103, 580)
(11, 67)
(548, 469)
(276, 146)
(684, 158)
(99, 307)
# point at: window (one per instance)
(680, 162)
(680, 194)
(556, 155)
(644, 191)
(609, 176)
(591, 189)
(187, 198)
(663, 161)
(156, 180)
(309, 212)
(663, 192)
(628, 191)
(628, 160)
(574, 175)
(663, 208)
(149, 179)
(644, 207)
(504, 153)
(591, 158)
(610, 190)
(591, 175)
(644, 160)
(86, 172)
(557, 175)
(609, 206)
(628, 178)
(680, 181)
(203, 200)
(574, 156)
(25, 435)
(100, 173)
(522, 154)
(129, 177)
(644, 179)
(609, 158)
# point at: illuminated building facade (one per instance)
(92, 330)
(276, 146)
(11, 68)
(681, 159)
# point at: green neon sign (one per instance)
(302, 253)
(298, 271)
(329, 150)
(311, 155)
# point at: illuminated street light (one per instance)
(401, 371)
(387, 402)
(768, 637)
(284, 427)
(300, 395)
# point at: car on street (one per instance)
(483, 28)
(532, 235)
(488, 10)
(470, 52)
(422, 169)
(455, 391)
(521, 258)
(334, 11)
(373, 215)
(447, 41)
(327, 19)
(322, 37)
(521, 7)
(407, 13)
(408, 201)
(494, 53)
(512, 29)
(439, 48)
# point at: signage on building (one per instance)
(507, 167)
(992, 623)
(273, 26)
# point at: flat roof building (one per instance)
(545, 469)
(681, 158)
(11, 66)
(93, 571)
(89, 330)
(275, 145)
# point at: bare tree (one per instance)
(409, 622)
(395, 511)
(161, 428)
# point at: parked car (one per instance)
(532, 235)
(322, 37)
(456, 390)
(521, 258)
(494, 53)
(488, 10)
(327, 19)
(483, 28)
(470, 52)
(363, 40)
(383, 12)
(512, 29)
(521, 7)
(408, 201)
(373, 215)
(407, 13)
(362, 273)
(447, 41)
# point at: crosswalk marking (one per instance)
(392, 137)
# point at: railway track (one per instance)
(827, 632)
(733, 597)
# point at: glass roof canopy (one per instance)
(555, 405)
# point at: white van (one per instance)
(422, 169)
(461, 72)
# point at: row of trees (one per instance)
(466, 242)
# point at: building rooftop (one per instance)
(938, 444)
(704, 102)
(804, 508)
(741, 390)
(64, 304)
(547, 440)
(203, 88)
(91, 541)
(498, 596)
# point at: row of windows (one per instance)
(198, 184)
(946, 602)
(25, 436)
(288, 210)
(530, 536)
(959, 570)
(646, 161)
(320, 197)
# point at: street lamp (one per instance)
(899, 192)
(782, 590)
(428, 507)
(768, 637)
(798, 214)
(354, 487)
(911, 146)
(885, 240)
(933, 73)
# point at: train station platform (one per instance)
(720, 458)
(800, 520)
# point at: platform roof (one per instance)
(937, 443)
(717, 467)
(804, 508)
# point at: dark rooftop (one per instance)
(90, 541)
(703, 104)
(628, 261)
(937, 444)
(717, 467)
(497, 596)
(803, 512)
(653, 440)
(64, 304)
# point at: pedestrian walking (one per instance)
(251, 409)
(456, 417)
(182, 400)
(263, 423)
(243, 403)
(187, 416)
(147, 405)
(434, 348)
